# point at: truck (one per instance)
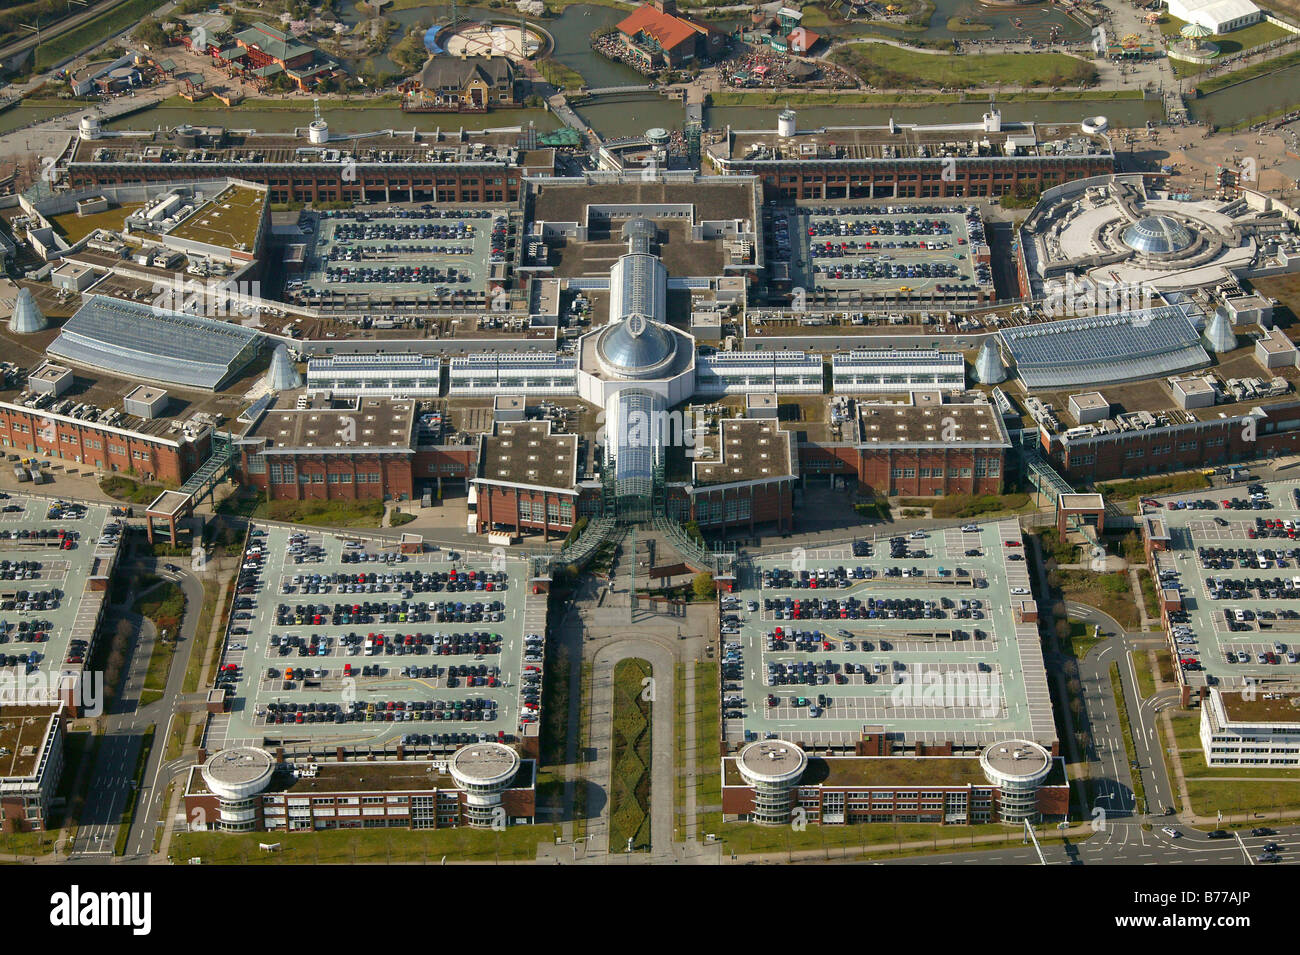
(21, 474)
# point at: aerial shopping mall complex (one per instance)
(476, 470)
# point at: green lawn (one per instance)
(1230, 43)
(374, 846)
(629, 797)
(363, 513)
(708, 748)
(165, 606)
(824, 98)
(93, 32)
(1109, 592)
(1146, 487)
(745, 838)
(132, 492)
(890, 67)
(1150, 602)
(1250, 72)
(1146, 679)
(1121, 709)
(962, 506)
(211, 591)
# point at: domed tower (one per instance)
(1158, 235)
(635, 348)
(282, 376)
(27, 317)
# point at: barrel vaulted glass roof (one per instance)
(638, 283)
(139, 341)
(636, 443)
(1105, 349)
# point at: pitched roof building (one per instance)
(463, 84)
(659, 38)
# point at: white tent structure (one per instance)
(1217, 16)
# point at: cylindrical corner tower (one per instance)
(773, 767)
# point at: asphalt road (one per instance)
(110, 790)
(1126, 843)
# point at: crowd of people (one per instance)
(611, 46)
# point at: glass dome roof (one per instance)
(635, 347)
(1159, 234)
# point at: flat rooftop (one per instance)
(966, 680)
(22, 735)
(745, 449)
(908, 142)
(529, 453)
(1266, 707)
(229, 220)
(107, 391)
(219, 145)
(931, 424)
(682, 256)
(71, 616)
(568, 202)
(375, 423)
(1190, 530)
(264, 648)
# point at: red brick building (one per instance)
(167, 456)
(746, 478)
(527, 480)
(1193, 443)
(359, 451)
(31, 738)
(921, 448)
(358, 795)
(771, 781)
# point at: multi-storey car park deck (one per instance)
(876, 250)
(309, 659)
(52, 592)
(966, 677)
(1256, 579)
(423, 251)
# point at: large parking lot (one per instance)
(428, 250)
(343, 639)
(1237, 566)
(48, 552)
(919, 249)
(943, 658)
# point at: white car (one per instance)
(1171, 832)
(970, 528)
(1020, 590)
(917, 535)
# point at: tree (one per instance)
(704, 587)
(150, 33)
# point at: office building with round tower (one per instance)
(237, 778)
(483, 771)
(773, 768)
(1017, 767)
